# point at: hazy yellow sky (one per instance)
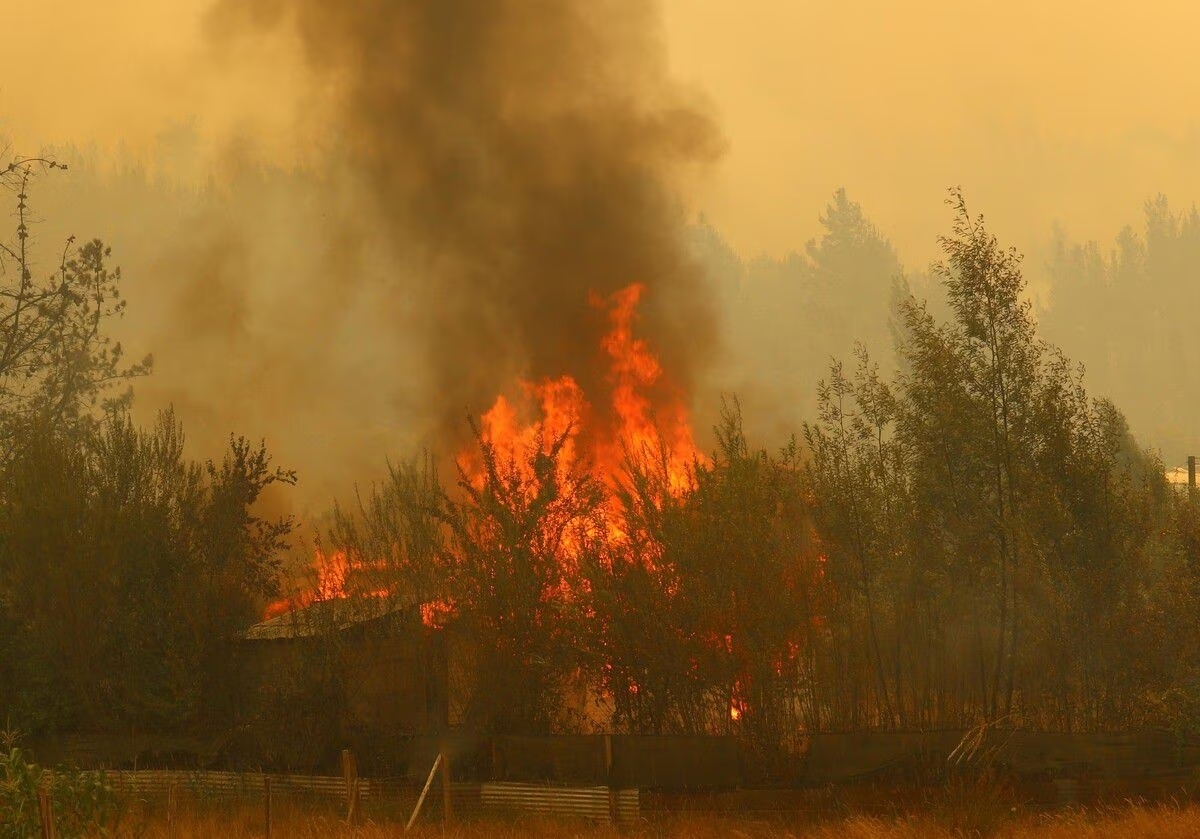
(1041, 111)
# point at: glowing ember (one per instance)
(737, 704)
(436, 613)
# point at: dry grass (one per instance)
(246, 822)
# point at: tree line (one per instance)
(1130, 310)
(961, 533)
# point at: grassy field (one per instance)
(245, 822)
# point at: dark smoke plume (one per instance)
(522, 153)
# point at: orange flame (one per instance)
(737, 702)
(639, 416)
(646, 412)
(642, 426)
(562, 405)
(332, 570)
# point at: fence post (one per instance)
(425, 791)
(608, 763)
(171, 808)
(46, 813)
(350, 773)
(267, 805)
(447, 804)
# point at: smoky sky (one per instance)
(323, 304)
(524, 157)
(1041, 112)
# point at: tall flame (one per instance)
(640, 415)
(642, 426)
(646, 416)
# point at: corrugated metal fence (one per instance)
(215, 784)
(598, 803)
(600, 777)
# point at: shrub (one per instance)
(83, 803)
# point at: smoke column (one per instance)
(521, 154)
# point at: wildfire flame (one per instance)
(332, 572)
(646, 415)
(640, 415)
(643, 426)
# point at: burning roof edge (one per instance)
(323, 616)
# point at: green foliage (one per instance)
(971, 425)
(125, 567)
(860, 491)
(994, 537)
(703, 609)
(83, 803)
(119, 530)
(747, 567)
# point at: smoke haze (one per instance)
(313, 202)
(1041, 112)
(523, 155)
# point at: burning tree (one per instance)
(519, 536)
(606, 572)
(708, 604)
(975, 539)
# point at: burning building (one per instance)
(528, 165)
(341, 671)
(531, 564)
